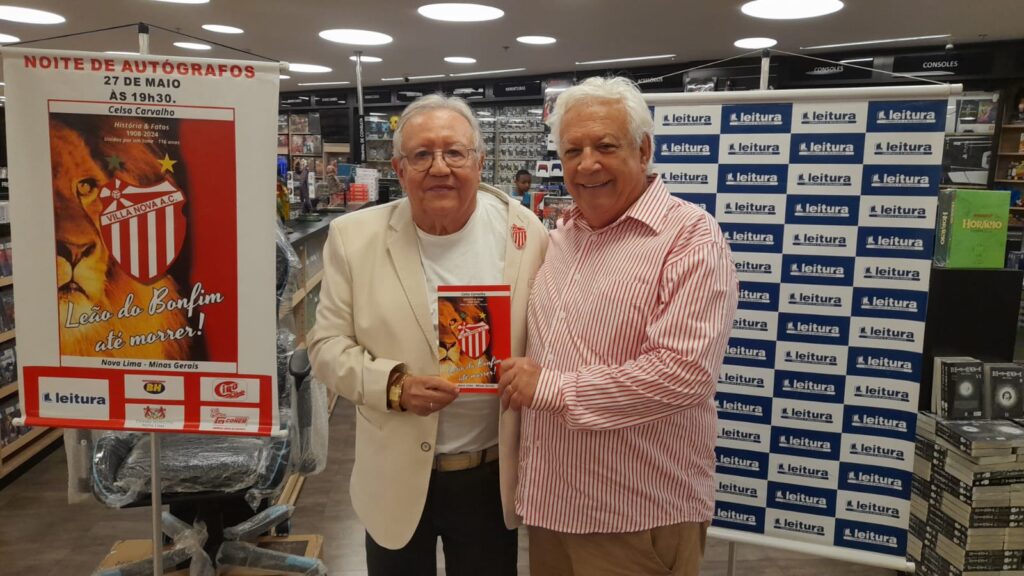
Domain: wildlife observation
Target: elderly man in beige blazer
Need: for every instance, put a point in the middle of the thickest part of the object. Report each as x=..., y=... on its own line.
x=430, y=462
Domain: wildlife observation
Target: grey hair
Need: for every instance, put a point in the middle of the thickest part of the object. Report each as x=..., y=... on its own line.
x=438, y=102
x=622, y=90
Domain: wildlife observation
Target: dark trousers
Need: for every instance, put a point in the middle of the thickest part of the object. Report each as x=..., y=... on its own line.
x=464, y=509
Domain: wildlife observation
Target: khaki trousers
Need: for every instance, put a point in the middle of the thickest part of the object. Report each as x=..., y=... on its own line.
x=674, y=550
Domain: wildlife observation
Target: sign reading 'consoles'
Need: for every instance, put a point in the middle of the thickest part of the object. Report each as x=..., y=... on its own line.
x=829, y=209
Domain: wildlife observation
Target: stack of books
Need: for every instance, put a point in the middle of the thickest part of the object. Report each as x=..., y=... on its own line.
x=967, y=499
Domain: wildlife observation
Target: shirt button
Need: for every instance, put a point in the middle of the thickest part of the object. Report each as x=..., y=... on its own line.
x=561, y=315
x=576, y=278
x=425, y=446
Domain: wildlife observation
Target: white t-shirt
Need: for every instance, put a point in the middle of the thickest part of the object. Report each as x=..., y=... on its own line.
x=474, y=255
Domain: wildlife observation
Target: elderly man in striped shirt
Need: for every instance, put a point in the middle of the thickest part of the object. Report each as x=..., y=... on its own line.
x=628, y=321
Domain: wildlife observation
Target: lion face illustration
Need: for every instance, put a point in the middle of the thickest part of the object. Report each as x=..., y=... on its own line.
x=88, y=278
x=450, y=318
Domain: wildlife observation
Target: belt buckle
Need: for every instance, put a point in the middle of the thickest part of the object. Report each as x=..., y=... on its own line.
x=461, y=461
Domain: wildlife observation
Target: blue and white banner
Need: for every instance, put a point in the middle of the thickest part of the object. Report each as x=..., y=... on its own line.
x=829, y=208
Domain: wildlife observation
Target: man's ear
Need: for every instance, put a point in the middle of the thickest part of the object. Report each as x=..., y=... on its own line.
x=645, y=150
x=396, y=165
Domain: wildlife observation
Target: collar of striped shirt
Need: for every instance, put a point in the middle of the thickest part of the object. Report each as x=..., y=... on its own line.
x=649, y=209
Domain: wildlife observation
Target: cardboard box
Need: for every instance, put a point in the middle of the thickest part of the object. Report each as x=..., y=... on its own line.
x=125, y=551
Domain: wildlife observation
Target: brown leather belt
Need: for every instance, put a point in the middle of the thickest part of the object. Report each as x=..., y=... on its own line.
x=465, y=460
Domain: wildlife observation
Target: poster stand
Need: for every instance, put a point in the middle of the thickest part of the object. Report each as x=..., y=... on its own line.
x=156, y=503
x=735, y=537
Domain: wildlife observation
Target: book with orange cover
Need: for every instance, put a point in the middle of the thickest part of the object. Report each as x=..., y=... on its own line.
x=474, y=334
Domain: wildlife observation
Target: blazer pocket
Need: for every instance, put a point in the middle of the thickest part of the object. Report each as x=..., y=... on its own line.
x=370, y=417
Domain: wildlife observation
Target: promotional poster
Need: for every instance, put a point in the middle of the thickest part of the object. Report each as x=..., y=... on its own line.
x=829, y=207
x=132, y=182
x=474, y=335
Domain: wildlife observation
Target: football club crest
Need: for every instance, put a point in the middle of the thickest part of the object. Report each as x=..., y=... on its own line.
x=143, y=228
x=518, y=236
x=474, y=338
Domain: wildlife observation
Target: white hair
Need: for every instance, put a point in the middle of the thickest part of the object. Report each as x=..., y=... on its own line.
x=438, y=102
x=619, y=89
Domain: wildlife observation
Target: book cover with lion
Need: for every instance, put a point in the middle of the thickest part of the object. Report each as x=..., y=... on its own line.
x=474, y=334
x=145, y=236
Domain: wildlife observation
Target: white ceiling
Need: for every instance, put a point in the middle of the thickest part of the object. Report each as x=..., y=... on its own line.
x=585, y=29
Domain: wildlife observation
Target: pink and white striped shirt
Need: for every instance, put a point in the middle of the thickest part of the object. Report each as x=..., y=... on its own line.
x=630, y=324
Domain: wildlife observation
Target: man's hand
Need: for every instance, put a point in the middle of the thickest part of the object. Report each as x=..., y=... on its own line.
x=424, y=395
x=518, y=384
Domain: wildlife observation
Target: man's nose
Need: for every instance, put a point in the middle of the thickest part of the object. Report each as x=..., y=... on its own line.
x=590, y=160
x=438, y=167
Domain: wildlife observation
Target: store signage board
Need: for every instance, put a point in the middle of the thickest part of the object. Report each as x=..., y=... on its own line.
x=410, y=94
x=951, y=63
x=328, y=100
x=827, y=199
x=148, y=269
x=466, y=92
x=296, y=101
x=659, y=81
x=806, y=70
x=376, y=96
x=517, y=89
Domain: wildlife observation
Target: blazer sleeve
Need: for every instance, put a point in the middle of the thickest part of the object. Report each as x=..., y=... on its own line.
x=338, y=360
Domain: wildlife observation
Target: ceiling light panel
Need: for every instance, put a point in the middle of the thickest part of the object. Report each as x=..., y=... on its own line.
x=338, y=83
x=192, y=45
x=7, y=39
x=423, y=77
x=633, y=59
x=29, y=15
x=790, y=9
x=482, y=72
x=356, y=37
x=370, y=59
x=536, y=40
x=308, y=68
x=755, y=43
x=459, y=12
x=222, y=29
x=460, y=60
x=883, y=41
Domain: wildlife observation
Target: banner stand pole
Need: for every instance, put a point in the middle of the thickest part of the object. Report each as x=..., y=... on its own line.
x=154, y=439
x=156, y=504
x=766, y=58
x=731, y=570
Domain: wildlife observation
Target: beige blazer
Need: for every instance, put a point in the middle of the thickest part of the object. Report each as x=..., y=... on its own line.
x=374, y=314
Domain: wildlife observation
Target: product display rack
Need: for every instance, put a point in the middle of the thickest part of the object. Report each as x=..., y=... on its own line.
x=308, y=239
x=1008, y=172
x=17, y=445
x=520, y=141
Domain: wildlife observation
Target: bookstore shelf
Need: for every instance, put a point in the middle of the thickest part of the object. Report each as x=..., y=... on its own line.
x=50, y=436
x=5, y=336
x=8, y=389
x=6, y=281
x=13, y=447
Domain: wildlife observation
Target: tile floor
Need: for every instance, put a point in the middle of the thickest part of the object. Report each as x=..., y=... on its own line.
x=40, y=534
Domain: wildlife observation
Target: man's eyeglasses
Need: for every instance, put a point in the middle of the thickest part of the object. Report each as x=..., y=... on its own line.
x=455, y=157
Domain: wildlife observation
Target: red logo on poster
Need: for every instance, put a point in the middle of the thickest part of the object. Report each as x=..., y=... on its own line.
x=143, y=228
x=229, y=389
x=151, y=413
x=221, y=418
x=474, y=338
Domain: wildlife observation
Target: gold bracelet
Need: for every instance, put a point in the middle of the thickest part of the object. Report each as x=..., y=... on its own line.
x=395, y=383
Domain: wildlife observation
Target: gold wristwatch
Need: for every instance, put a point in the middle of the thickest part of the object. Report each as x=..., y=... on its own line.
x=395, y=382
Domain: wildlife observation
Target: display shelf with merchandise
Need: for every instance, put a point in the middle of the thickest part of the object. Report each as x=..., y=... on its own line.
x=308, y=239
x=44, y=440
x=1008, y=171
